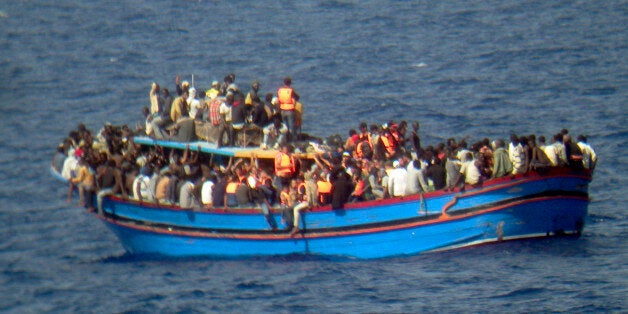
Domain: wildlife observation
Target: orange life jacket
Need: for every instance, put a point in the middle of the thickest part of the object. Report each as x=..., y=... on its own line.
x=284, y=96
x=323, y=186
x=324, y=191
x=361, y=150
x=284, y=165
x=388, y=142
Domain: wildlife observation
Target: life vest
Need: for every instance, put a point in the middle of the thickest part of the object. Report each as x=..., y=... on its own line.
x=324, y=191
x=389, y=144
x=284, y=165
x=284, y=95
x=363, y=149
x=395, y=135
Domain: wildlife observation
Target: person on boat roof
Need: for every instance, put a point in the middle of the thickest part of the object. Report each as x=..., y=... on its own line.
x=179, y=109
x=226, y=82
x=261, y=112
x=274, y=134
x=225, y=111
x=238, y=117
x=252, y=94
x=288, y=98
x=195, y=106
x=213, y=91
x=180, y=86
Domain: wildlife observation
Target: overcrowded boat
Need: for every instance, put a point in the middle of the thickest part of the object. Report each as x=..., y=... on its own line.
x=184, y=190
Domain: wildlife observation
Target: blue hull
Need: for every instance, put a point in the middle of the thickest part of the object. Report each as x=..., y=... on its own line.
x=523, y=207
x=532, y=218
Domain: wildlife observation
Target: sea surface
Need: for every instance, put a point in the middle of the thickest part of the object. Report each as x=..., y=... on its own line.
x=461, y=68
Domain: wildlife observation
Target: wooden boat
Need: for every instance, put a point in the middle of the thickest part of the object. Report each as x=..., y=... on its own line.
x=524, y=206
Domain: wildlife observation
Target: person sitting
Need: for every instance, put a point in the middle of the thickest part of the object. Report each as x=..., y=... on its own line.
x=436, y=172
x=538, y=159
x=179, y=108
x=323, y=187
x=589, y=158
x=299, y=203
x=274, y=134
x=375, y=180
x=559, y=148
x=141, y=188
x=397, y=180
x=469, y=171
x=230, y=198
x=219, y=190
x=516, y=155
x=194, y=104
x=549, y=150
x=243, y=194
x=357, y=195
x=207, y=190
x=573, y=153
x=260, y=113
x=414, y=178
x=187, y=195
x=285, y=165
x=311, y=190
x=501, y=161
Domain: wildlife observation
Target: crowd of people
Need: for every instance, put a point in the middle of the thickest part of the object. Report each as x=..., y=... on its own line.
x=227, y=108
x=373, y=162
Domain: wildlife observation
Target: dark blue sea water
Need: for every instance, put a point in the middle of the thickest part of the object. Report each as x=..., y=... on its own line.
x=478, y=69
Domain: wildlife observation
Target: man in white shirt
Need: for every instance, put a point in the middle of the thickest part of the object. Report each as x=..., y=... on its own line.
x=470, y=170
x=589, y=158
x=206, y=192
x=397, y=180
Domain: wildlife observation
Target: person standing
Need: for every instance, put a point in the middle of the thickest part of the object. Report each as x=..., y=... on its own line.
x=288, y=98
x=225, y=122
